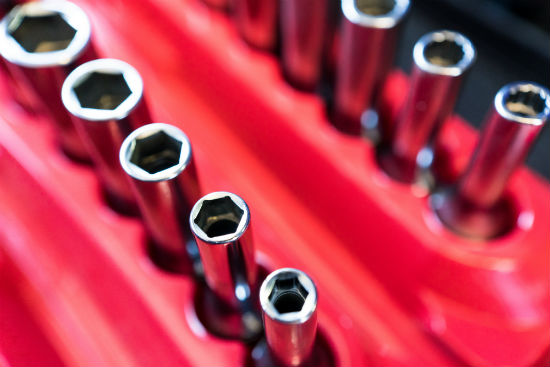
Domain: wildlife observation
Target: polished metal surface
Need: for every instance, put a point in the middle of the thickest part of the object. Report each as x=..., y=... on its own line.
x=158, y=160
x=42, y=42
x=105, y=100
x=217, y=4
x=44, y=33
x=303, y=32
x=219, y=222
x=257, y=22
x=520, y=111
x=441, y=60
x=289, y=302
x=369, y=33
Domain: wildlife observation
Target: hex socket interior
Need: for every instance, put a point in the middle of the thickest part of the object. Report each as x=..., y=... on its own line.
x=102, y=90
x=445, y=53
x=220, y=217
x=375, y=13
x=525, y=102
x=155, y=152
x=44, y=33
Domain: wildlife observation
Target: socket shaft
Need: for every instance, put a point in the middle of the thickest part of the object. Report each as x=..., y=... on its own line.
x=520, y=111
x=289, y=303
x=41, y=42
x=219, y=222
x=441, y=60
x=158, y=160
x=369, y=33
x=303, y=31
x=105, y=100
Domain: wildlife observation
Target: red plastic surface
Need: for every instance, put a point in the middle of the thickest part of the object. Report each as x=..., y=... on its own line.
x=395, y=286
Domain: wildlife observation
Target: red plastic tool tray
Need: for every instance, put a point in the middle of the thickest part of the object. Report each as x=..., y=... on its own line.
x=395, y=286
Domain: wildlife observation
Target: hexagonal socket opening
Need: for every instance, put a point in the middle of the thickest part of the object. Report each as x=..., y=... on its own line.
x=101, y=90
x=219, y=217
x=156, y=152
x=288, y=295
x=375, y=7
x=42, y=33
x=443, y=53
x=525, y=103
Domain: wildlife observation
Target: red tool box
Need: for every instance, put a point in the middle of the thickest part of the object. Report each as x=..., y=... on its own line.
x=395, y=286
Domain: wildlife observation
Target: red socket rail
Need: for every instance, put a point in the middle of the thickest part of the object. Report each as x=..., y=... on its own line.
x=395, y=286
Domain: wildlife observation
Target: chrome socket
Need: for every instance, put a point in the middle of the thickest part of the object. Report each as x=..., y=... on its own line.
x=368, y=34
x=474, y=207
x=219, y=221
x=41, y=42
x=441, y=60
x=289, y=303
x=105, y=100
x=303, y=32
x=158, y=160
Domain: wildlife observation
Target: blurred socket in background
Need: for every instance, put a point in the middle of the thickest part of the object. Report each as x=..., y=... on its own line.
x=512, y=38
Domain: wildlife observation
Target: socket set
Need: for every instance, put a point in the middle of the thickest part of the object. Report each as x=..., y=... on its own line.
x=176, y=190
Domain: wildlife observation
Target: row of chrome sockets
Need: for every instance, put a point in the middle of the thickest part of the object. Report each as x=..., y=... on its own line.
x=358, y=53
x=148, y=170
x=46, y=45
x=473, y=207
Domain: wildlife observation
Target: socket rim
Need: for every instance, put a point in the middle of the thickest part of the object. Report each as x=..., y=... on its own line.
x=13, y=52
x=139, y=173
x=107, y=66
x=389, y=20
x=454, y=70
x=502, y=110
x=223, y=239
x=298, y=317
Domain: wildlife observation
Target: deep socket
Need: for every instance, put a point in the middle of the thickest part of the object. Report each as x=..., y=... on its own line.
x=158, y=161
x=220, y=223
x=289, y=303
x=105, y=100
x=368, y=37
x=41, y=42
x=441, y=60
x=475, y=206
x=303, y=32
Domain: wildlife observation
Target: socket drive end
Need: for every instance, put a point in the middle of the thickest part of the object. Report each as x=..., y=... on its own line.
x=288, y=298
x=219, y=222
x=475, y=208
x=41, y=34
